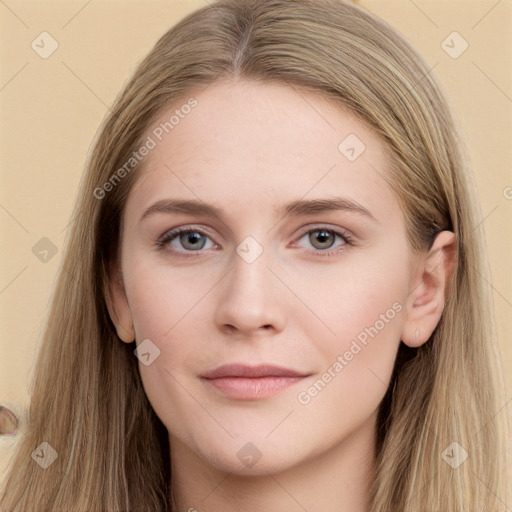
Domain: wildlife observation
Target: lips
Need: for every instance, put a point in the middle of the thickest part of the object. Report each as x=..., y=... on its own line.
x=243, y=382
x=242, y=370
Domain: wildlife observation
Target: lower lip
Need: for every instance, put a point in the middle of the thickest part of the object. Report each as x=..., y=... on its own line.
x=257, y=388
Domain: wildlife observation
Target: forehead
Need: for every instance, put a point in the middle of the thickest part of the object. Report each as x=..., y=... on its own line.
x=250, y=144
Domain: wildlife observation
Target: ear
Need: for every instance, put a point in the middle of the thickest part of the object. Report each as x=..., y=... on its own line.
x=118, y=307
x=425, y=302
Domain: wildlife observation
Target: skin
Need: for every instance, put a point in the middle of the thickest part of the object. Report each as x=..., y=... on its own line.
x=248, y=148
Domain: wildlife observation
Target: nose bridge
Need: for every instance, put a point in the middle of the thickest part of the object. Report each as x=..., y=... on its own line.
x=248, y=300
x=250, y=275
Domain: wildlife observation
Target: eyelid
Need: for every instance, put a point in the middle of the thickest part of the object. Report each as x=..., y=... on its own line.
x=344, y=233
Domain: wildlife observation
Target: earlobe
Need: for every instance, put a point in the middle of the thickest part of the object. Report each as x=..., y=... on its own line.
x=118, y=307
x=426, y=300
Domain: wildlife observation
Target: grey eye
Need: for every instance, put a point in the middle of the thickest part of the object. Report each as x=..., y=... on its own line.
x=192, y=240
x=321, y=238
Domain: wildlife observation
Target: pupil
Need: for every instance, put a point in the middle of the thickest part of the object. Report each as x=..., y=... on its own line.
x=323, y=238
x=193, y=240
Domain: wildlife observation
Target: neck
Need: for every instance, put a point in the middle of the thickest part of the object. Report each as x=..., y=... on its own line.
x=337, y=479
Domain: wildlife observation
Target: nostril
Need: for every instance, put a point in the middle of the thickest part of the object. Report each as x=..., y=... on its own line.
x=8, y=422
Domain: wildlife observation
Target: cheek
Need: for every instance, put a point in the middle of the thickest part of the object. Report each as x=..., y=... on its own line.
x=168, y=311
x=358, y=360
x=360, y=293
x=161, y=298
x=168, y=308
x=361, y=309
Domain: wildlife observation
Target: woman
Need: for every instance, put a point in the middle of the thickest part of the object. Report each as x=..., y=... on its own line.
x=269, y=298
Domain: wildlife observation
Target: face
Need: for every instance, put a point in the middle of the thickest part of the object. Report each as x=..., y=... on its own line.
x=262, y=234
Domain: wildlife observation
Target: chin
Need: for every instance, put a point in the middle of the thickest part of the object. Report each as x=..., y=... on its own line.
x=250, y=458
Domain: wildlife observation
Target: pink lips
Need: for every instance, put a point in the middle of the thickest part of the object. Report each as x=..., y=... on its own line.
x=243, y=382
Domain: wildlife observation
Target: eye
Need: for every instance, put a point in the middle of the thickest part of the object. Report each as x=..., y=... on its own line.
x=186, y=240
x=192, y=240
x=325, y=241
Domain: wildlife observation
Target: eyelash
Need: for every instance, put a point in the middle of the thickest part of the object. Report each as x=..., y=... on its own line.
x=169, y=236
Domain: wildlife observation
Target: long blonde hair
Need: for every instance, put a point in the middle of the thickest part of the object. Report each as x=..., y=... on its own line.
x=87, y=399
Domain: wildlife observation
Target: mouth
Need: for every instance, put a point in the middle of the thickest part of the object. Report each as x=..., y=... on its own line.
x=244, y=382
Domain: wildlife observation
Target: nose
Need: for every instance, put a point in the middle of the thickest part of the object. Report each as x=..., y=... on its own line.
x=250, y=302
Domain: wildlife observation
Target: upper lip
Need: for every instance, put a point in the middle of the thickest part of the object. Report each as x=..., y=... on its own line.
x=244, y=370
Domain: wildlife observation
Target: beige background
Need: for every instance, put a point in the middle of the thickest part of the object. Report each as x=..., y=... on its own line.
x=51, y=109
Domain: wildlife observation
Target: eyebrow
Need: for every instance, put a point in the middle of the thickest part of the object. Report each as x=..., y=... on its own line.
x=294, y=208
